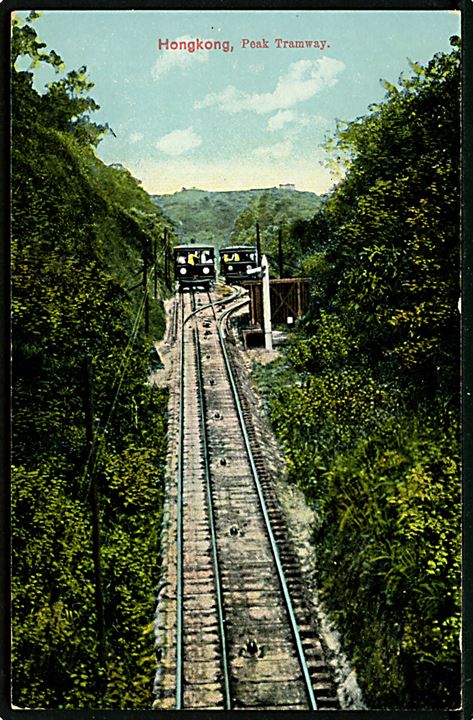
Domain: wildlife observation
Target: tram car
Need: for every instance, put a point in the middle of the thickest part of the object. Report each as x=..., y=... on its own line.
x=236, y=262
x=194, y=265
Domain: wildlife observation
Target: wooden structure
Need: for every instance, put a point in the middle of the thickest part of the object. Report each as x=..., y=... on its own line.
x=289, y=300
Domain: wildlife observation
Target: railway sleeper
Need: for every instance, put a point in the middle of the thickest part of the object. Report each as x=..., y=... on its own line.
x=204, y=672
x=272, y=690
x=328, y=703
x=261, y=694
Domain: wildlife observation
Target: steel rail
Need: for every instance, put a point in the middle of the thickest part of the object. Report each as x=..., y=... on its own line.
x=235, y=296
x=213, y=533
x=274, y=548
x=180, y=521
x=179, y=537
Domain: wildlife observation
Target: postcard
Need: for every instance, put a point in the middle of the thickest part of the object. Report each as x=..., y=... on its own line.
x=236, y=321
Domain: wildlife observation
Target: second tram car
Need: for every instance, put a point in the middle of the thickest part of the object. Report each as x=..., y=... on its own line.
x=236, y=262
x=194, y=265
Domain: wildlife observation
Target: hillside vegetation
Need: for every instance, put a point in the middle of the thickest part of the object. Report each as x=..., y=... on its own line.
x=88, y=431
x=280, y=215
x=366, y=399
x=219, y=217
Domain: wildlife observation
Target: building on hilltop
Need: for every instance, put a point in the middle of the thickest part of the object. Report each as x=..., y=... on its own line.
x=258, y=190
x=287, y=186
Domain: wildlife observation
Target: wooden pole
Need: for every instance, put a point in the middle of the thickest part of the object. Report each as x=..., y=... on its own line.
x=167, y=264
x=96, y=540
x=155, y=253
x=280, y=254
x=145, y=289
x=258, y=244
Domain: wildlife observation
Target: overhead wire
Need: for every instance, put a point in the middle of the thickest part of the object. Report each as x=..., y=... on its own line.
x=117, y=383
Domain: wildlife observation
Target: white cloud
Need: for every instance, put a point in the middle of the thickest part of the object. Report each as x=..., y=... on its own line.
x=179, y=142
x=283, y=117
x=276, y=122
x=303, y=80
x=176, y=59
x=276, y=151
x=136, y=137
x=229, y=100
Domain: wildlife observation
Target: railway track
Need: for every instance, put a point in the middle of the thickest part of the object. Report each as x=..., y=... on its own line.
x=243, y=635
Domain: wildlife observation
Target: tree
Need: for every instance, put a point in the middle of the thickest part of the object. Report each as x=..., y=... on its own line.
x=366, y=400
x=395, y=222
x=79, y=234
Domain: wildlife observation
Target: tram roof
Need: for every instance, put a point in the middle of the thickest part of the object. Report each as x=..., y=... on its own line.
x=194, y=247
x=237, y=247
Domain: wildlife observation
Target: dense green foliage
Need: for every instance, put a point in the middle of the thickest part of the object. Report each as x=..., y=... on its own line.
x=366, y=399
x=279, y=214
x=81, y=233
x=223, y=218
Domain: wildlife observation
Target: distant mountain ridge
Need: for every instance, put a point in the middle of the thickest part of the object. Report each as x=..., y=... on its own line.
x=210, y=216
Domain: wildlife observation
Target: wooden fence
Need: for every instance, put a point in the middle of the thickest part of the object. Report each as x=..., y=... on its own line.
x=289, y=300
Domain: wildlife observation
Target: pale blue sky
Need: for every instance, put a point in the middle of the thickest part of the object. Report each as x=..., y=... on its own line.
x=248, y=118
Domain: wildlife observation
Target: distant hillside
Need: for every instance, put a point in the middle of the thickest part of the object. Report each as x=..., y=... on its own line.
x=212, y=216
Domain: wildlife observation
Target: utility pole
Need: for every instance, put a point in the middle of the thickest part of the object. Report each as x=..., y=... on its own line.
x=167, y=273
x=145, y=289
x=96, y=541
x=268, y=338
x=258, y=244
x=280, y=253
x=155, y=253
